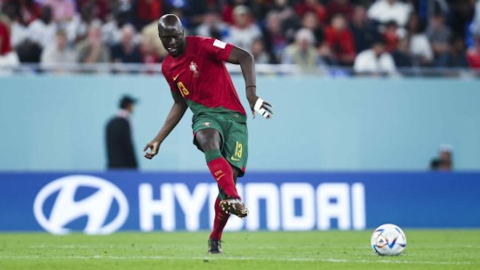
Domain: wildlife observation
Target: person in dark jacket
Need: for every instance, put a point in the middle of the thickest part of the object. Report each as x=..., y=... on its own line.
x=120, y=150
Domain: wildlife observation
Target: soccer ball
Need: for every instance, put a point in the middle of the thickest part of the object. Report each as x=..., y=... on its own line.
x=388, y=240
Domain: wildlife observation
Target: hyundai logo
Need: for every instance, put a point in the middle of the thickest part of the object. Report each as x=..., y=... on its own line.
x=96, y=207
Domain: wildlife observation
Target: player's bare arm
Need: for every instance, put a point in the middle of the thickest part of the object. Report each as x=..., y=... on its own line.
x=245, y=60
x=174, y=116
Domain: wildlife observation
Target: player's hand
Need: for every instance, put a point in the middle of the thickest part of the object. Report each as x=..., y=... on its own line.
x=262, y=107
x=153, y=146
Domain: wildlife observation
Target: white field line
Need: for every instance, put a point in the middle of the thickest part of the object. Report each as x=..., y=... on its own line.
x=222, y=257
x=89, y=246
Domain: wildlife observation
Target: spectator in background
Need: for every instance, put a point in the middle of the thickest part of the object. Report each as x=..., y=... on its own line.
x=363, y=33
x=63, y=10
x=77, y=28
x=147, y=11
x=91, y=50
x=419, y=44
x=101, y=9
x=259, y=54
x=149, y=53
x=197, y=9
x=212, y=26
x=437, y=46
x=460, y=14
x=228, y=8
x=18, y=27
x=181, y=15
x=118, y=136
x=310, y=21
x=314, y=6
x=401, y=55
x=340, y=39
x=302, y=52
x=440, y=35
x=458, y=56
x=375, y=61
x=383, y=11
x=27, y=50
x=473, y=55
x=283, y=9
x=326, y=57
x=8, y=57
x=150, y=34
x=42, y=30
x=260, y=9
x=207, y=4
x=112, y=30
x=25, y=11
x=58, y=52
x=126, y=51
x=475, y=26
x=5, y=46
x=275, y=41
x=339, y=6
x=243, y=32
x=288, y=19
x=391, y=36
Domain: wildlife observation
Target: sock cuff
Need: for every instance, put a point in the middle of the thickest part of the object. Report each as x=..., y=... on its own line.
x=212, y=154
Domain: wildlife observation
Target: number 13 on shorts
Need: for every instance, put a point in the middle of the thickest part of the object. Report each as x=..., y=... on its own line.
x=238, y=152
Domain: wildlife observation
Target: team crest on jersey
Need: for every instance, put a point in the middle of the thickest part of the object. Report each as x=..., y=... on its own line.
x=194, y=69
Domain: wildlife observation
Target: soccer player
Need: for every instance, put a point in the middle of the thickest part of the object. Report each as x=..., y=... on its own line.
x=195, y=70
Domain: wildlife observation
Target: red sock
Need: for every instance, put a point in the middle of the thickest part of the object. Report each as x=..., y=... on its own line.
x=223, y=173
x=219, y=223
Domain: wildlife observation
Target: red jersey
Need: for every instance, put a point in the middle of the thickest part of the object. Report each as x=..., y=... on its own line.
x=341, y=42
x=5, y=46
x=473, y=57
x=200, y=76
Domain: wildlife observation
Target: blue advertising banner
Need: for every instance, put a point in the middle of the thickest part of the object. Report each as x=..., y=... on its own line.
x=102, y=203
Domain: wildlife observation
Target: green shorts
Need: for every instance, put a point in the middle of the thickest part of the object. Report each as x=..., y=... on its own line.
x=233, y=131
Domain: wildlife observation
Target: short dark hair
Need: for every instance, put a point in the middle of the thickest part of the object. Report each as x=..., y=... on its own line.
x=391, y=23
x=125, y=101
x=378, y=40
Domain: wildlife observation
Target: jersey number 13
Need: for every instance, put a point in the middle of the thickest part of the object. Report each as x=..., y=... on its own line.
x=183, y=90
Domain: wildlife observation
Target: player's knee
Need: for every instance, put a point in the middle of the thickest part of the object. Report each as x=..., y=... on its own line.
x=208, y=139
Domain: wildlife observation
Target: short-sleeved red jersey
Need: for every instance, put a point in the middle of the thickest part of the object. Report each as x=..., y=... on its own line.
x=5, y=46
x=200, y=76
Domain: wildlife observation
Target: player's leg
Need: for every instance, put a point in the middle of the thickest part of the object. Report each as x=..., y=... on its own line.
x=221, y=217
x=220, y=221
x=209, y=137
x=235, y=150
x=209, y=140
x=232, y=205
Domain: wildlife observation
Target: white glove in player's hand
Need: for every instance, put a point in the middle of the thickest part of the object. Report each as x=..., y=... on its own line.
x=263, y=108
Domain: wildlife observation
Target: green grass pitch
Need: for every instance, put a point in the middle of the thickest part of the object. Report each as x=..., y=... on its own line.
x=426, y=249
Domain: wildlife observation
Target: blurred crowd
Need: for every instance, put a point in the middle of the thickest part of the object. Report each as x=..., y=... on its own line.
x=369, y=36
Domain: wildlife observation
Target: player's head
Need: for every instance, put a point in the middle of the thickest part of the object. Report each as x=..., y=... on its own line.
x=172, y=34
x=127, y=103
